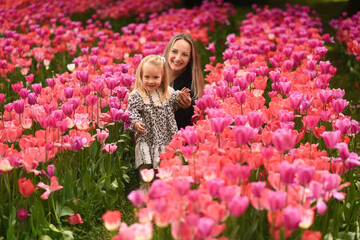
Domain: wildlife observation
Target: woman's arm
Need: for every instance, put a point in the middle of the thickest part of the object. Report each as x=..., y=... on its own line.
x=184, y=98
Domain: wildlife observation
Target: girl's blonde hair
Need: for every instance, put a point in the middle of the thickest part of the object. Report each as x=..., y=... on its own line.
x=197, y=84
x=156, y=61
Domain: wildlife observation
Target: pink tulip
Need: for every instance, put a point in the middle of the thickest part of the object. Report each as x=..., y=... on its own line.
x=305, y=174
x=324, y=67
x=250, y=77
x=214, y=185
x=240, y=97
x=352, y=161
x=257, y=187
x=110, y=148
x=158, y=189
x=68, y=92
x=291, y=218
x=189, y=134
x=57, y=114
x=136, y=197
x=256, y=119
x=160, y=205
x=76, y=143
x=325, y=115
x=75, y=102
x=286, y=116
x=85, y=90
x=311, y=121
x=93, y=59
x=295, y=100
x=276, y=199
x=287, y=172
x=102, y=135
x=2, y=97
x=321, y=207
x=267, y=152
x=228, y=75
x=50, y=170
x=243, y=134
x=98, y=85
x=205, y=226
x=18, y=106
x=241, y=83
x=91, y=100
x=53, y=187
x=283, y=139
x=49, y=108
x=82, y=76
x=339, y=104
x=316, y=189
x=24, y=93
x=182, y=187
x=240, y=120
x=325, y=96
x=274, y=76
x=32, y=98
x=147, y=175
x=222, y=91
x=238, y=205
x=218, y=124
x=17, y=87
x=22, y=214
x=121, y=93
x=285, y=87
x=29, y=78
x=331, y=138
x=343, y=125
x=37, y=87
x=67, y=109
x=50, y=82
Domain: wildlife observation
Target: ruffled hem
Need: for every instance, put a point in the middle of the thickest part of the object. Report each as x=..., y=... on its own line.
x=147, y=154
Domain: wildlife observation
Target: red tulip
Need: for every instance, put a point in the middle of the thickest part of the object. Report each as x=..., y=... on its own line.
x=26, y=187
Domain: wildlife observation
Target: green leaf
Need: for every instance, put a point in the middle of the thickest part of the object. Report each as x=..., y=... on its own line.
x=52, y=227
x=66, y=211
x=67, y=235
x=114, y=184
x=45, y=237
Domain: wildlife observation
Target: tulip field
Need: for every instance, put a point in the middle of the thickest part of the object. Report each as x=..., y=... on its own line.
x=273, y=153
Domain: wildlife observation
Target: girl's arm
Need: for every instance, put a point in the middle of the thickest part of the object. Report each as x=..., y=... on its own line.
x=135, y=106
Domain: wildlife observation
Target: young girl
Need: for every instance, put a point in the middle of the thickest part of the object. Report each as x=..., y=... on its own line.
x=152, y=104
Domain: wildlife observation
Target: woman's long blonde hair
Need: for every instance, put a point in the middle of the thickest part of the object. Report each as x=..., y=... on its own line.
x=156, y=61
x=197, y=84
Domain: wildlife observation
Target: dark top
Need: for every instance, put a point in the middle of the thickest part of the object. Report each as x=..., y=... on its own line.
x=183, y=116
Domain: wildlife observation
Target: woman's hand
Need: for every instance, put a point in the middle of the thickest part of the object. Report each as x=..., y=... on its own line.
x=139, y=127
x=184, y=98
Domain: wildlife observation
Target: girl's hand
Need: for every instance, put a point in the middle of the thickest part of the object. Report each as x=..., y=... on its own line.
x=139, y=127
x=184, y=98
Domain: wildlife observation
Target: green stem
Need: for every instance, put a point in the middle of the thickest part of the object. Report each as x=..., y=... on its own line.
x=53, y=203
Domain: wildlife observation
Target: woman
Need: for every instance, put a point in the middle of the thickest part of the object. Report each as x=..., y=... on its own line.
x=182, y=60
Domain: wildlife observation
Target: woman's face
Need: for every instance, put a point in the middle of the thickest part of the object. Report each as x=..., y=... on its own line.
x=179, y=55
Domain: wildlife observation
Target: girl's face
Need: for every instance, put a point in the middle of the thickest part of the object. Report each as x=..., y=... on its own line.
x=152, y=76
x=179, y=55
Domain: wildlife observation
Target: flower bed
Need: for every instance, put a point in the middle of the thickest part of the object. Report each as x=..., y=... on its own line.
x=347, y=32
x=271, y=151
x=63, y=145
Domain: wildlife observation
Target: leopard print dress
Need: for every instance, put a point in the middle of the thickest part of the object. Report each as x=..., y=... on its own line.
x=160, y=124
